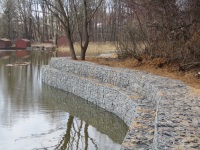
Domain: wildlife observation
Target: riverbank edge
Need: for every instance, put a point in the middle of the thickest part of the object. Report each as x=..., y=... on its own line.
x=161, y=113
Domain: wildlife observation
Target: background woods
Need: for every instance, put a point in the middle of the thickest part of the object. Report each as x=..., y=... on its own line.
x=164, y=29
x=142, y=29
x=40, y=20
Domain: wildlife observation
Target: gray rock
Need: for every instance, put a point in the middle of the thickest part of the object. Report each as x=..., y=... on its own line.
x=161, y=113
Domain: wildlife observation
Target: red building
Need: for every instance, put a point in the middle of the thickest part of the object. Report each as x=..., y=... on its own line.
x=5, y=43
x=22, y=43
x=62, y=41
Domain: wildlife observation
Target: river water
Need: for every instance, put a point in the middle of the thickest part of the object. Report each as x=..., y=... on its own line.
x=34, y=116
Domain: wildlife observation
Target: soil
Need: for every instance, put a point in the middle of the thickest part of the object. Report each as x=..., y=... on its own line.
x=156, y=66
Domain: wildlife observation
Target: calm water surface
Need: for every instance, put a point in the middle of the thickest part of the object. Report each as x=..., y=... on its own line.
x=34, y=116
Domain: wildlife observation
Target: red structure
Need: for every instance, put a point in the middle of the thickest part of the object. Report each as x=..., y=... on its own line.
x=22, y=43
x=22, y=53
x=62, y=41
x=5, y=43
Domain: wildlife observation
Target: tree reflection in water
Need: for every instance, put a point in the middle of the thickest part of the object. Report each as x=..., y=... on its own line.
x=36, y=116
x=76, y=136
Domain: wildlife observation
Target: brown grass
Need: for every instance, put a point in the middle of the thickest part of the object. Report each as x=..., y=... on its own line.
x=171, y=71
x=94, y=49
x=42, y=44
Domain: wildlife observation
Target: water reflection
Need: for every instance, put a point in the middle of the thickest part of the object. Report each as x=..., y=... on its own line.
x=36, y=116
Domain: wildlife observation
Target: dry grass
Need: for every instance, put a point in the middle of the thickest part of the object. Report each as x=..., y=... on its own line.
x=94, y=49
x=187, y=77
x=42, y=44
x=171, y=71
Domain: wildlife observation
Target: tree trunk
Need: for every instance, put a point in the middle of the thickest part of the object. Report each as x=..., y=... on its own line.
x=71, y=48
x=71, y=45
x=85, y=32
x=83, y=53
x=85, y=46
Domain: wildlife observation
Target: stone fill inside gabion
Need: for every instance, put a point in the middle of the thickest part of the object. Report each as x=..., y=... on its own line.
x=161, y=113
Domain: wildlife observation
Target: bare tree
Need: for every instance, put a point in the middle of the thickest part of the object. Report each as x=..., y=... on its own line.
x=74, y=15
x=167, y=28
x=8, y=18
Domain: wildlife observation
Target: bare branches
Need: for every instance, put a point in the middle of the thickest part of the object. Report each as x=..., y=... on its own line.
x=95, y=10
x=75, y=17
x=171, y=30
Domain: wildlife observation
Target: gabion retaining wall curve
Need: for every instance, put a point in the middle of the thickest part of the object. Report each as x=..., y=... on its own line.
x=161, y=113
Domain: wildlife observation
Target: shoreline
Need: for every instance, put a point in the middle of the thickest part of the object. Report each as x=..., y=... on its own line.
x=158, y=110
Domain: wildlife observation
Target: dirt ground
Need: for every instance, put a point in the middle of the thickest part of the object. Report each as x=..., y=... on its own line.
x=155, y=67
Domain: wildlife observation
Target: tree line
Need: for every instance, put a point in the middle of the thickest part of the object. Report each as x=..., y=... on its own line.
x=38, y=20
x=142, y=29
x=168, y=29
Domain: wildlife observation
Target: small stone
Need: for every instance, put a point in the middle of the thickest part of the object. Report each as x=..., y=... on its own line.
x=196, y=122
x=196, y=146
x=166, y=133
x=190, y=140
x=151, y=131
x=176, y=121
